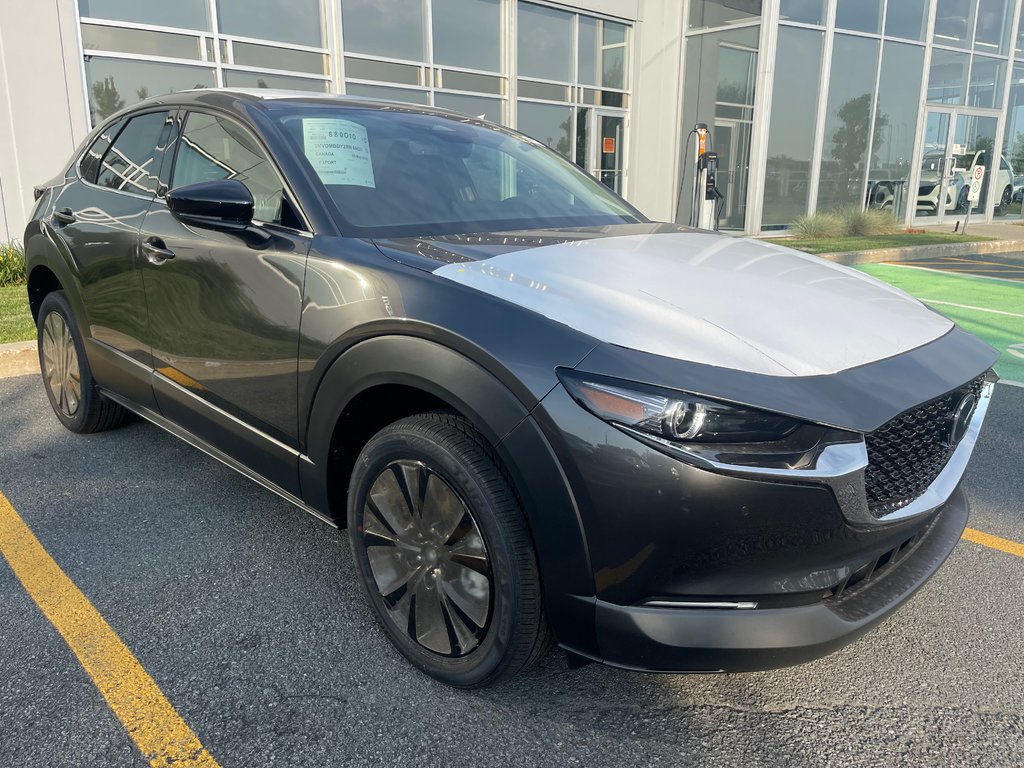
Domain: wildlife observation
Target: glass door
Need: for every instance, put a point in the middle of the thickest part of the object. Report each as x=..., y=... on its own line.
x=955, y=142
x=606, y=146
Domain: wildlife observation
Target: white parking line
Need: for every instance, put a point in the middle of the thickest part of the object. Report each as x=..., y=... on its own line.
x=949, y=272
x=977, y=309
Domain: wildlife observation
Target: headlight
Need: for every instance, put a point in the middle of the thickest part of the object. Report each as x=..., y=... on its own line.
x=685, y=418
x=715, y=434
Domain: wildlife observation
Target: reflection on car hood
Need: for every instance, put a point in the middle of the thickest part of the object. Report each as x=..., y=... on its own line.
x=707, y=298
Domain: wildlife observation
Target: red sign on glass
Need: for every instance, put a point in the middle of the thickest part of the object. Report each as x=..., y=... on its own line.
x=609, y=146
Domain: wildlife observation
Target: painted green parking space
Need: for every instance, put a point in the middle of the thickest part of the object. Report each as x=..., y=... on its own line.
x=991, y=309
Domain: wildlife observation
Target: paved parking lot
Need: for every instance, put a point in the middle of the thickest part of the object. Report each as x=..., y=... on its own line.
x=246, y=614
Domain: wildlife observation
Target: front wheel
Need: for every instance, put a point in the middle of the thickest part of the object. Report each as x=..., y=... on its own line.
x=443, y=552
x=73, y=395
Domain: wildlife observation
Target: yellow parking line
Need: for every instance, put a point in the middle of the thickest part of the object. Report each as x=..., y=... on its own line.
x=151, y=721
x=995, y=542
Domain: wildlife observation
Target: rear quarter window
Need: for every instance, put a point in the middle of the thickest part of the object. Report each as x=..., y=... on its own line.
x=90, y=165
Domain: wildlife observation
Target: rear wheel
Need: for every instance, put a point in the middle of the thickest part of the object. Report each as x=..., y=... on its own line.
x=441, y=545
x=66, y=376
x=1005, y=200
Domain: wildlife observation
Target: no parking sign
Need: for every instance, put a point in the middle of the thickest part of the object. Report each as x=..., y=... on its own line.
x=977, y=177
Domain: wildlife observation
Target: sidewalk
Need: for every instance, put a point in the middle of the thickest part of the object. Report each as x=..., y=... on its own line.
x=1008, y=237
x=18, y=359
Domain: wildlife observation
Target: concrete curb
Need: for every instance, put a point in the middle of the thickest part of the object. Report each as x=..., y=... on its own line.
x=915, y=252
x=18, y=359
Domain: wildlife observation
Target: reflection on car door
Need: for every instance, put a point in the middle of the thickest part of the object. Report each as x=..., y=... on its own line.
x=225, y=308
x=98, y=218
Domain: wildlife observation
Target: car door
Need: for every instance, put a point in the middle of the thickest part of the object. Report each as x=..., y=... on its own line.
x=97, y=218
x=225, y=308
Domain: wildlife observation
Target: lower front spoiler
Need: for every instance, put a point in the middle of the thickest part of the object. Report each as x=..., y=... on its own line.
x=747, y=640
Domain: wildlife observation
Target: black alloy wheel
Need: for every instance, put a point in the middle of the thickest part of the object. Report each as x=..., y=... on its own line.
x=68, y=381
x=443, y=551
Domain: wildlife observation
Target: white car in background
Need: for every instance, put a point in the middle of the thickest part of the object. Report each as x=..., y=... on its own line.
x=929, y=188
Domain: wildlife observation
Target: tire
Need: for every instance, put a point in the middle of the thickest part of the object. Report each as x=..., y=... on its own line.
x=961, y=201
x=67, y=378
x=1005, y=200
x=464, y=626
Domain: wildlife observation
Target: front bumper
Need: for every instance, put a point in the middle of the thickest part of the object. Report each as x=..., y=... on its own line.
x=741, y=640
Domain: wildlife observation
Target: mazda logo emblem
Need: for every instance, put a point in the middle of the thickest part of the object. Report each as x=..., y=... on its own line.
x=961, y=419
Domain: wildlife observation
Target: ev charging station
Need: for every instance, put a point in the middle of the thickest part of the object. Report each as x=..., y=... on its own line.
x=706, y=206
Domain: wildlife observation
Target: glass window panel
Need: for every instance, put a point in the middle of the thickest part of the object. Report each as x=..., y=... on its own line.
x=549, y=124
x=859, y=15
x=547, y=91
x=118, y=83
x=467, y=81
x=614, y=34
x=394, y=28
x=986, y=82
x=947, y=77
x=474, y=106
x=899, y=93
x=188, y=14
x=1020, y=35
x=467, y=33
x=1013, y=140
x=130, y=164
x=212, y=148
x=847, y=122
x=545, y=43
x=719, y=13
x=237, y=79
x=285, y=21
x=791, y=130
x=589, y=51
x=270, y=57
x=96, y=37
x=906, y=18
x=995, y=18
x=613, y=70
x=388, y=93
x=721, y=70
x=90, y=165
x=805, y=11
x=366, y=69
x=954, y=22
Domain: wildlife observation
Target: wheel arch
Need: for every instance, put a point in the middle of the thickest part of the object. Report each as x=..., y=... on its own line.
x=383, y=379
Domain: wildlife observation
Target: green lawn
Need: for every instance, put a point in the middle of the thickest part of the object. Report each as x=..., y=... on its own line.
x=15, y=318
x=870, y=242
x=991, y=309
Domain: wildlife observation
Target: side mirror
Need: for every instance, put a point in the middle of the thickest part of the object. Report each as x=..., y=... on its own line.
x=224, y=205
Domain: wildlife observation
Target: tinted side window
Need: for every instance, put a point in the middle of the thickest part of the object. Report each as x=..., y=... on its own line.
x=212, y=148
x=90, y=165
x=130, y=164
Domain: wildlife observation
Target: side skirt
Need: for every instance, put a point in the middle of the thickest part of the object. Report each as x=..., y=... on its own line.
x=215, y=453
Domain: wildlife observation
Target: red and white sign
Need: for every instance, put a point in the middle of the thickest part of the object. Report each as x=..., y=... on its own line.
x=977, y=177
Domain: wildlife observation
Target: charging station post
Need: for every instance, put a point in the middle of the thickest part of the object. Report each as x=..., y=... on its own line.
x=703, y=213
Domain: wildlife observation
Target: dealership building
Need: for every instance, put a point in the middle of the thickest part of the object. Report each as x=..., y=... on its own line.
x=812, y=105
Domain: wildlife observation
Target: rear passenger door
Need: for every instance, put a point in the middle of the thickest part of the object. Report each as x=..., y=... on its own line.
x=225, y=308
x=98, y=219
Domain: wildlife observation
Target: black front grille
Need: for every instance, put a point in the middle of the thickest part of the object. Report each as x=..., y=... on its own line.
x=906, y=454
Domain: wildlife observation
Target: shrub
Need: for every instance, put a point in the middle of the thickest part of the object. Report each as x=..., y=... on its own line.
x=817, y=226
x=12, y=264
x=858, y=222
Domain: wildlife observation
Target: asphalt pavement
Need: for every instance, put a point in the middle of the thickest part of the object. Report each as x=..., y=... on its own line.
x=247, y=614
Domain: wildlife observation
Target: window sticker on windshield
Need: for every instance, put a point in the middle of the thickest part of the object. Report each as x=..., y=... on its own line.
x=338, y=150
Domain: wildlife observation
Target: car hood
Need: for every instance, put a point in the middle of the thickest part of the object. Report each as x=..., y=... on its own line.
x=701, y=297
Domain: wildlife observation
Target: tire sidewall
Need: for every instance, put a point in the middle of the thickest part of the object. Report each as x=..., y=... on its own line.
x=57, y=302
x=485, y=661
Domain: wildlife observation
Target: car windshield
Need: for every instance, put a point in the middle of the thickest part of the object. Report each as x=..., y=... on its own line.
x=395, y=173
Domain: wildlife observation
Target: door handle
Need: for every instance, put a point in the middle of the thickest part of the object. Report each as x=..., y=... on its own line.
x=63, y=216
x=155, y=251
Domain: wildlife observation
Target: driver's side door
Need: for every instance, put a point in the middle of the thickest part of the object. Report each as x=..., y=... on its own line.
x=224, y=308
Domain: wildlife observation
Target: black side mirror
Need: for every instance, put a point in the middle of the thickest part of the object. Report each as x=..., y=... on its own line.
x=224, y=205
